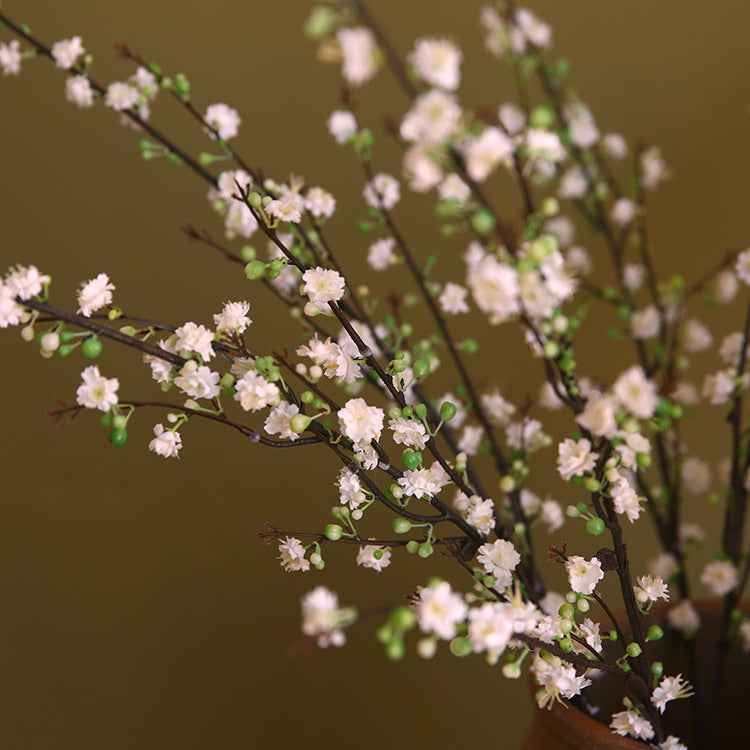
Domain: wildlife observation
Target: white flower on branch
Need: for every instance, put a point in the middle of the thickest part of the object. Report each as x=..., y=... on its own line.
x=360, y=53
x=374, y=557
x=97, y=392
x=198, y=381
x=632, y=723
x=121, y=96
x=223, y=120
x=78, y=91
x=292, y=555
x=583, y=575
x=66, y=52
x=95, y=294
x=254, y=392
x=439, y=610
x=575, y=458
x=499, y=559
x=360, y=422
x=10, y=57
x=166, y=443
x=720, y=577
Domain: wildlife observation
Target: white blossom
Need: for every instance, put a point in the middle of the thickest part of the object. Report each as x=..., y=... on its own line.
x=121, y=96
x=439, y=610
x=192, y=337
x=198, y=381
x=78, y=91
x=360, y=422
x=583, y=575
x=382, y=192
x=485, y=152
x=277, y=421
x=233, y=317
x=342, y=125
x=499, y=559
x=636, y=392
x=292, y=555
x=166, y=443
x=222, y=120
x=10, y=57
x=96, y=391
x=438, y=62
x=632, y=723
x=720, y=577
x=67, y=51
x=254, y=392
x=374, y=557
x=360, y=54
x=575, y=458
x=95, y=294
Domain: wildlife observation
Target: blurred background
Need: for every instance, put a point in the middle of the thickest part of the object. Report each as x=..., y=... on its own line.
x=140, y=608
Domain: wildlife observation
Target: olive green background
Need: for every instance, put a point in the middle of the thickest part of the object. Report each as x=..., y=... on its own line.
x=139, y=607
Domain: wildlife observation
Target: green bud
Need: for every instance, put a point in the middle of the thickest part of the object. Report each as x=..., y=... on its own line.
x=595, y=526
x=106, y=419
x=128, y=330
x=655, y=633
x=91, y=347
x=205, y=159
x=482, y=221
x=412, y=546
x=363, y=227
x=583, y=605
x=255, y=269
x=395, y=649
x=448, y=208
x=470, y=346
x=119, y=421
x=118, y=436
x=401, y=525
x=461, y=646
x=248, y=253
x=421, y=411
x=394, y=413
x=542, y=116
x=403, y=618
x=657, y=669
x=582, y=508
x=227, y=380
x=447, y=411
x=407, y=412
x=566, y=611
x=299, y=423
x=412, y=459
x=566, y=644
x=633, y=650
x=333, y=531
x=421, y=368
x=66, y=350
x=182, y=85
x=425, y=550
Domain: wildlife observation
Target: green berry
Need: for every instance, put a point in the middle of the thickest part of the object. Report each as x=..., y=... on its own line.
x=412, y=459
x=447, y=411
x=401, y=525
x=655, y=633
x=91, y=347
x=255, y=269
x=395, y=649
x=403, y=618
x=633, y=650
x=334, y=532
x=421, y=368
x=119, y=421
x=118, y=436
